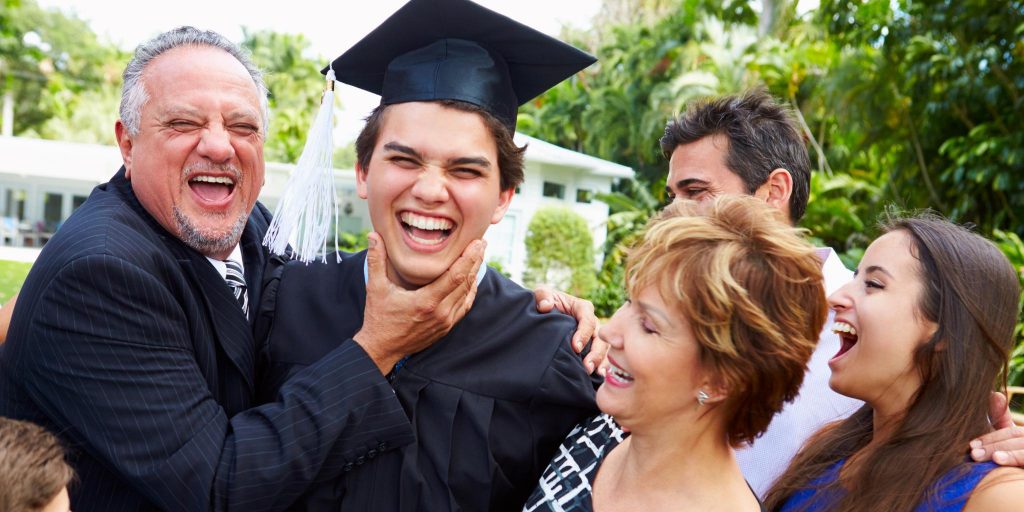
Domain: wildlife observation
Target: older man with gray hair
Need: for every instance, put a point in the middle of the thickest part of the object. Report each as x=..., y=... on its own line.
x=132, y=336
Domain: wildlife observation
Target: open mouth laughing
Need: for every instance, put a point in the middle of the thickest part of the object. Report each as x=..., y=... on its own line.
x=426, y=230
x=616, y=376
x=212, y=189
x=847, y=336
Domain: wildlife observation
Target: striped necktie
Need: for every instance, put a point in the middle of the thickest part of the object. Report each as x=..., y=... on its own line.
x=236, y=281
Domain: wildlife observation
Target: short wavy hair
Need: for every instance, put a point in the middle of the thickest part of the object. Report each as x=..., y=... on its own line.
x=750, y=287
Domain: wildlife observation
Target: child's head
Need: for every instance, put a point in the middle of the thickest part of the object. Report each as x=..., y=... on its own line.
x=33, y=473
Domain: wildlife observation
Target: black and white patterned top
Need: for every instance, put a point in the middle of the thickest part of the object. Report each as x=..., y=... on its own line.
x=566, y=483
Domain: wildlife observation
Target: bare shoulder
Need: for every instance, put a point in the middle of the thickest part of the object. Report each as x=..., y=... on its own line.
x=1001, y=490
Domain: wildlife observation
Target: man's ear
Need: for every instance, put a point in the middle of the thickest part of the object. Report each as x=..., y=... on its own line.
x=504, y=201
x=360, y=181
x=779, y=188
x=124, y=143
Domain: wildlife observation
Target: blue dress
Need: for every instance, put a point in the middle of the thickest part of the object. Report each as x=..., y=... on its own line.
x=954, y=488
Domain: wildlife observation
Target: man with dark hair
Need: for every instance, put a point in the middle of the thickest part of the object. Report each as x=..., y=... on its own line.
x=748, y=144
x=760, y=144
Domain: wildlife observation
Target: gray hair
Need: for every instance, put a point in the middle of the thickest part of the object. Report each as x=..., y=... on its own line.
x=133, y=92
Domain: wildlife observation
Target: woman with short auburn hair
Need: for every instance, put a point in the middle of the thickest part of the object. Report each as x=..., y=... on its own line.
x=726, y=305
x=926, y=328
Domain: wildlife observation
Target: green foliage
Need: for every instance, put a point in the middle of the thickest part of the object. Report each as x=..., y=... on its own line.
x=295, y=85
x=52, y=65
x=12, y=275
x=840, y=211
x=345, y=156
x=352, y=242
x=630, y=209
x=1013, y=248
x=498, y=267
x=560, y=251
x=916, y=104
x=930, y=96
x=617, y=109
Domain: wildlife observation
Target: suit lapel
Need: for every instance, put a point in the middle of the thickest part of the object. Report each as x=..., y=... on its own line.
x=230, y=327
x=232, y=330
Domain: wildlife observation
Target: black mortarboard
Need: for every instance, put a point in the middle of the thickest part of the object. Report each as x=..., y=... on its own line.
x=427, y=50
x=458, y=50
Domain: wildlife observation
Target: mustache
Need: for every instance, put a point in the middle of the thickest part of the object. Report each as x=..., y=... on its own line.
x=204, y=166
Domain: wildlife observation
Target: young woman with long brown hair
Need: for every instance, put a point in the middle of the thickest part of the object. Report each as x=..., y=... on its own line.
x=927, y=325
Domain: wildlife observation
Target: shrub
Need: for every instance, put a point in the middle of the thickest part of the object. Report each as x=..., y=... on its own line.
x=560, y=251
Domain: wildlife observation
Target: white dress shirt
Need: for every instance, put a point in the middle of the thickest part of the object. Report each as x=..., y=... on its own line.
x=236, y=255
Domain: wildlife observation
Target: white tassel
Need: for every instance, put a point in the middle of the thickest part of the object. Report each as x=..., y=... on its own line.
x=308, y=204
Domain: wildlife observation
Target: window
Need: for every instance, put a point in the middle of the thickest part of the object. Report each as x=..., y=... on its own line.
x=52, y=210
x=15, y=203
x=77, y=201
x=556, y=190
x=584, y=195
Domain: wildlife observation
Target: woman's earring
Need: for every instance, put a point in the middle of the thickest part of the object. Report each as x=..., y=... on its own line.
x=702, y=397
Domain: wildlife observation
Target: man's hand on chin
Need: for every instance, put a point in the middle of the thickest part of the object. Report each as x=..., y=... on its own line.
x=398, y=322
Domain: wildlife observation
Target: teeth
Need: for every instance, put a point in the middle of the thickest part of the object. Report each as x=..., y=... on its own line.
x=838, y=327
x=211, y=179
x=425, y=241
x=424, y=222
x=619, y=372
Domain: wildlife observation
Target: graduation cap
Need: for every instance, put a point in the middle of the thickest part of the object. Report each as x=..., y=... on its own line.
x=458, y=50
x=428, y=50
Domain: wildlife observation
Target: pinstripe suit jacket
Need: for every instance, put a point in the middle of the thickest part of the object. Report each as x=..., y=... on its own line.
x=130, y=346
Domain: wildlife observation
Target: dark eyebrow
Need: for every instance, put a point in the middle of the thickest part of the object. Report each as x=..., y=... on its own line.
x=394, y=146
x=681, y=184
x=874, y=268
x=469, y=160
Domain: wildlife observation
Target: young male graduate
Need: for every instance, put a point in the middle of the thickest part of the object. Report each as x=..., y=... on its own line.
x=490, y=401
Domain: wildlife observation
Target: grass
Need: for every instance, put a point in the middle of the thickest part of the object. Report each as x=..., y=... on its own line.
x=12, y=275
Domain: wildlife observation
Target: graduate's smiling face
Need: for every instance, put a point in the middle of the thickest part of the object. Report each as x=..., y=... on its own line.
x=432, y=186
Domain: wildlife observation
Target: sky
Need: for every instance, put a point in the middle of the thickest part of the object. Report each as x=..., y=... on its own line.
x=331, y=27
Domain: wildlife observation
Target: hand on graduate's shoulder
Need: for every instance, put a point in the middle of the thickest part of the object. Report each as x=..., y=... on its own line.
x=549, y=298
x=1005, y=445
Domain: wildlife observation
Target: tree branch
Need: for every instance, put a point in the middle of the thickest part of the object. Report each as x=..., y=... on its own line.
x=822, y=161
x=919, y=153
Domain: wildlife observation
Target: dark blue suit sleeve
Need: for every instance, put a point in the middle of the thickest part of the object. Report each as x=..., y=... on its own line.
x=111, y=356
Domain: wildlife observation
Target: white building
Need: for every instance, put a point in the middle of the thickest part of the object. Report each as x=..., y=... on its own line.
x=43, y=181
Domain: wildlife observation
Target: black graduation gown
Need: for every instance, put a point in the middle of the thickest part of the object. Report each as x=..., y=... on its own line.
x=489, y=403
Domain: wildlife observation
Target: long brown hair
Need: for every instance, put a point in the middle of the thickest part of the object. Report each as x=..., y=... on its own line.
x=971, y=292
